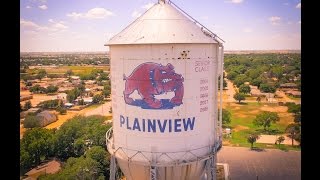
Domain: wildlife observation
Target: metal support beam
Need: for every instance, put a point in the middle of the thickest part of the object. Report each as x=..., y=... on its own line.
x=153, y=173
x=113, y=168
x=211, y=168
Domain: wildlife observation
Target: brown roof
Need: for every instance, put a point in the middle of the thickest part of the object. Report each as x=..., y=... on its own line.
x=47, y=168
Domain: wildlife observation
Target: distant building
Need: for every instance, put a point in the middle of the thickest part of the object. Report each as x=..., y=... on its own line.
x=75, y=77
x=23, y=114
x=45, y=118
x=296, y=94
x=288, y=85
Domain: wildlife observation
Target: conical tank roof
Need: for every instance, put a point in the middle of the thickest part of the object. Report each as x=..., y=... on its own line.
x=162, y=24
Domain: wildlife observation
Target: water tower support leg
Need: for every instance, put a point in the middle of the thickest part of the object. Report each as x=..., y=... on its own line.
x=113, y=168
x=211, y=168
x=153, y=173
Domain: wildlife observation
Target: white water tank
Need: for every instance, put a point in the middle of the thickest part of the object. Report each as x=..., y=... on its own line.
x=164, y=81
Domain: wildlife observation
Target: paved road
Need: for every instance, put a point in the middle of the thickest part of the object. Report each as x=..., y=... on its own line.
x=101, y=110
x=270, y=164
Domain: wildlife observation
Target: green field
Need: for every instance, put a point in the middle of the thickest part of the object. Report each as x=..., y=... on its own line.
x=242, y=116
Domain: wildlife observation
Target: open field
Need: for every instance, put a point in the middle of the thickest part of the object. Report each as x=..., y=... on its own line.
x=242, y=116
x=77, y=70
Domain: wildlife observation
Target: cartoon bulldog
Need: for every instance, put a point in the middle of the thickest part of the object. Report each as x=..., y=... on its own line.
x=151, y=79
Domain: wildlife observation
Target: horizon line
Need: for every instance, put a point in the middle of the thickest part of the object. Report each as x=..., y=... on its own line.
x=108, y=51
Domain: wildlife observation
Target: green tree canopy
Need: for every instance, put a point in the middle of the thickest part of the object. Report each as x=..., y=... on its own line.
x=244, y=89
x=239, y=97
x=52, y=89
x=97, y=98
x=252, y=138
x=78, y=169
x=31, y=121
x=294, y=132
x=27, y=105
x=35, y=143
x=267, y=88
x=265, y=119
x=226, y=116
x=41, y=74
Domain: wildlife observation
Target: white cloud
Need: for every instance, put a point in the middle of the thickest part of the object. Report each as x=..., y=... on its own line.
x=289, y=22
x=299, y=22
x=43, y=7
x=247, y=30
x=95, y=13
x=236, y=1
x=135, y=14
x=31, y=26
x=286, y=4
x=28, y=7
x=275, y=20
x=298, y=6
x=28, y=24
x=75, y=15
x=60, y=26
x=148, y=5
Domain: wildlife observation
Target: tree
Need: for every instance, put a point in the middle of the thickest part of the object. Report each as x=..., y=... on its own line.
x=294, y=108
x=72, y=135
x=73, y=94
x=36, y=143
x=252, y=138
x=106, y=90
x=294, y=132
x=226, y=116
x=224, y=83
x=31, y=121
x=239, y=97
x=61, y=110
x=97, y=98
x=244, y=89
x=27, y=105
x=256, y=82
x=280, y=140
x=100, y=155
x=241, y=79
x=103, y=76
x=69, y=73
x=232, y=75
x=258, y=99
x=265, y=119
x=51, y=104
x=78, y=168
x=52, y=89
x=267, y=88
x=41, y=74
x=297, y=118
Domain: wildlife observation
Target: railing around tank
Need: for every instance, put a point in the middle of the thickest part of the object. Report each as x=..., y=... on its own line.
x=184, y=157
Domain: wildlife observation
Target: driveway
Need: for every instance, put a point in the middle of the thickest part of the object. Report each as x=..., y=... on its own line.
x=270, y=164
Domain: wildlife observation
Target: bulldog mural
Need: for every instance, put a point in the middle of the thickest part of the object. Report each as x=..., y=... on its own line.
x=151, y=79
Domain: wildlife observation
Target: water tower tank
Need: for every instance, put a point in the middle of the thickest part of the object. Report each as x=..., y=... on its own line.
x=164, y=77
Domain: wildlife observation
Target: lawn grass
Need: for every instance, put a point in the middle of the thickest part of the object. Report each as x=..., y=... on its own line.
x=242, y=116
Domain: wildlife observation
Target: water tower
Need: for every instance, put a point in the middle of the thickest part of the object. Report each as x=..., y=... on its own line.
x=164, y=87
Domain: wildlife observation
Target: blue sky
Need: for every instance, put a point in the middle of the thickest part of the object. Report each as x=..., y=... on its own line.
x=86, y=25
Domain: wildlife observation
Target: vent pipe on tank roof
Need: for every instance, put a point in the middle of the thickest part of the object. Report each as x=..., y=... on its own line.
x=163, y=1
